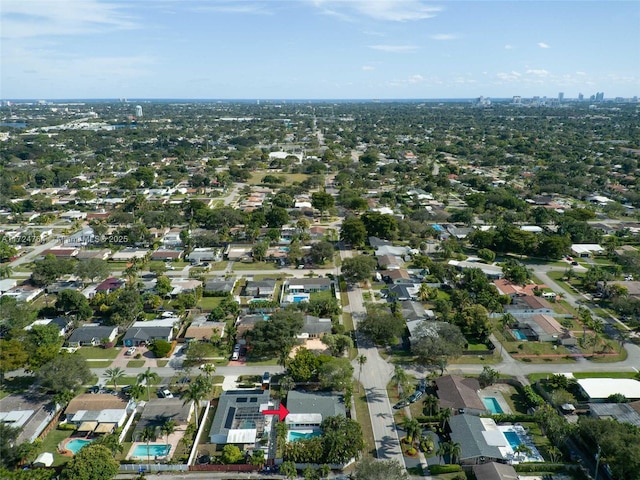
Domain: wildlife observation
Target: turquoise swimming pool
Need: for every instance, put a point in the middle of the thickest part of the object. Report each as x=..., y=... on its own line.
x=76, y=444
x=513, y=438
x=155, y=450
x=519, y=335
x=294, y=436
x=492, y=405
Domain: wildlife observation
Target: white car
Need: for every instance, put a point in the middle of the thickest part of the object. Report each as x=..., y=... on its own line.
x=130, y=351
x=165, y=393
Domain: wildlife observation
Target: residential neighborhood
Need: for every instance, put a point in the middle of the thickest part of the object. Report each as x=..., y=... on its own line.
x=302, y=289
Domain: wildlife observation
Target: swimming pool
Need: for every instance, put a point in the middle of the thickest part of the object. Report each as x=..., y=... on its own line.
x=492, y=405
x=519, y=335
x=295, y=435
x=76, y=444
x=513, y=438
x=155, y=450
x=300, y=298
x=437, y=227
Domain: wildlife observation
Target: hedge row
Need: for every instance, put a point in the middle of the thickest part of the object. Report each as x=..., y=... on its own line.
x=439, y=469
x=539, y=467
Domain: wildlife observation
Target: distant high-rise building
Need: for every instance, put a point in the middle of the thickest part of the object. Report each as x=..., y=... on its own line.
x=560, y=96
x=138, y=111
x=517, y=100
x=580, y=97
x=599, y=96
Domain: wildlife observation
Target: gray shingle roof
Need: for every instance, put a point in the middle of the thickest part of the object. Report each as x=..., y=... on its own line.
x=325, y=403
x=467, y=431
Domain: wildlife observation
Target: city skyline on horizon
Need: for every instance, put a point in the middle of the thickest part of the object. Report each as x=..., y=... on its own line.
x=318, y=49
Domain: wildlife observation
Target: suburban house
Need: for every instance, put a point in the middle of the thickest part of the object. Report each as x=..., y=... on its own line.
x=545, y=328
x=599, y=389
x=491, y=271
x=172, y=239
x=460, y=394
x=414, y=311
x=239, y=419
x=30, y=412
x=307, y=285
x=109, y=285
x=245, y=323
x=146, y=331
x=129, y=254
x=389, y=262
x=264, y=289
x=157, y=411
x=199, y=255
x=167, y=255
x=585, y=250
x=61, y=323
x=495, y=471
x=184, y=285
x=315, y=327
x=400, y=275
x=620, y=412
x=99, y=413
x=479, y=438
x=202, y=330
x=85, y=254
x=307, y=410
x=60, y=285
x=529, y=305
x=92, y=335
x=220, y=286
x=403, y=291
x=62, y=253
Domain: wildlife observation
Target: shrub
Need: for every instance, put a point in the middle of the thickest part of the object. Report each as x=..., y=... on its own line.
x=539, y=467
x=160, y=348
x=440, y=469
x=67, y=426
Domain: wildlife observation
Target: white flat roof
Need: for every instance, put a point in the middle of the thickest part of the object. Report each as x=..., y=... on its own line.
x=586, y=247
x=242, y=435
x=603, y=387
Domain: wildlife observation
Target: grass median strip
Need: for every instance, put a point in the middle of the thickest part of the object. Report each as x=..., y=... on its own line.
x=364, y=419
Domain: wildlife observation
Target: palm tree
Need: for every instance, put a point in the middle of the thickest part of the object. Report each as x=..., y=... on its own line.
x=443, y=450
x=412, y=427
x=148, y=377
x=287, y=383
x=208, y=369
x=112, y=442
x=430, y=403
x=146, y=436
x=114, y=374
x=455, y=449
x=361, y=359
x=6, y=271
x=400, y=377
x=424, y=292
x=554, y=454
x=167, y=428
x=195, y=393
x=445, y=415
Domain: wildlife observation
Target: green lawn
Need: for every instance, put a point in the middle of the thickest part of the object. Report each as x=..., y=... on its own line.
x=99, y=352
x=162, y=363
x=209, y=303
x=289, y=178
x=254, y=266
x=50, y=444
x=256, y=363
x=362, y=413
x=99, y=363
x=135, y=363
x=326, y=295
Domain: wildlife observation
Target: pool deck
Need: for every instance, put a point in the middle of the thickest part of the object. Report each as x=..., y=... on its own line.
x=173, y=440
x=496, y=392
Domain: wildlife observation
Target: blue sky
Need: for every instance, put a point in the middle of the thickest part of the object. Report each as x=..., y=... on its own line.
x=317, y=48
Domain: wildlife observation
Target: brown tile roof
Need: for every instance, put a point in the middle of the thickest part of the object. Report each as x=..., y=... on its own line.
x=94, y=402
x=548, y=324
x=536, y=302
x=459, y=392
x=202, y=333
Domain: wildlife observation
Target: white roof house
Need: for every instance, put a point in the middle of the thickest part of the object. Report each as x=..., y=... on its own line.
x=601, y=388
x=586, y=249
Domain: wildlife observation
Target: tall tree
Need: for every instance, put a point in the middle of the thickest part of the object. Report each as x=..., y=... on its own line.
x=359, y=268
x=148, y=377
x=353, y=231
x=93, y=462
x=114, y=375
x=322, y=201
x=64, y=372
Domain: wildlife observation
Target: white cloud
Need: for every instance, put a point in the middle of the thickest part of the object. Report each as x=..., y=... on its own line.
x=537, y=72
x=385, y=10
x=368, y=68
x=543, y=45
x=444, y=36
x=37, y=18
x=415, y=79
x=394, y=48
x=509, y=47
x=235, y=7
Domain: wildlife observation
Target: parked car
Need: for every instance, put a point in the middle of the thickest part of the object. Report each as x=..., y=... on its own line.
x=130, y=351
x=235, y=356
x=401, y=404
x=574, y=263
x=165, y=393
x=266, y=377
x=422, y=386
x=415, y=396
